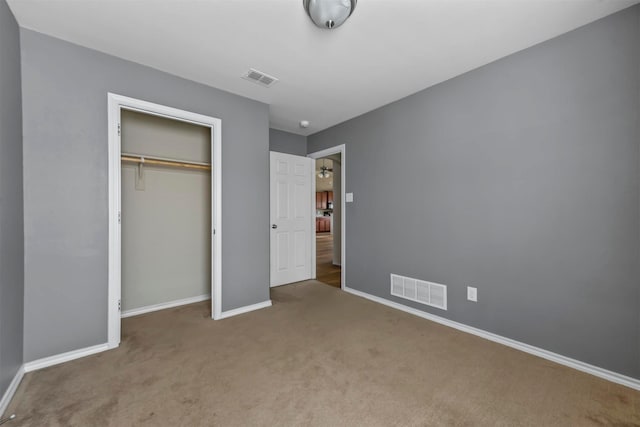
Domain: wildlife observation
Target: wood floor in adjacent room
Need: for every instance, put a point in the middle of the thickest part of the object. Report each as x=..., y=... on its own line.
x=318, y=357
x=326, y=271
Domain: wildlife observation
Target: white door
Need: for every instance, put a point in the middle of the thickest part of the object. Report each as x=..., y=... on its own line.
x=291, y=203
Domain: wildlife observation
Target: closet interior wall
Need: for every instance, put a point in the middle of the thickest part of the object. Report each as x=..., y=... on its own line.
x=166, y=213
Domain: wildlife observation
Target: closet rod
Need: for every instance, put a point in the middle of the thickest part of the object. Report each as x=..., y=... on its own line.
x=163, y=161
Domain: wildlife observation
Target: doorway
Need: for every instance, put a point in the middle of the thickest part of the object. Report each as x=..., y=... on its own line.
x=328, y=208
x=116, y=105
x=328, y=214
x=165, y=213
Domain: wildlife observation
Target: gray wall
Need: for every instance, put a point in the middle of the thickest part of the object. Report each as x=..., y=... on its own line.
x=286, y=142
x=520, y=178
x=166, y=213
x=11, y=206
x=65, y=155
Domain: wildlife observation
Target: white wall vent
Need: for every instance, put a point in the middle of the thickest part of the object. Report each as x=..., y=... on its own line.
x=433, y=294
x=260, y=78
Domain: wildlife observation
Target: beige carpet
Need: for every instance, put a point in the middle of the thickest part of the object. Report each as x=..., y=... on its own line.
x=319, y=356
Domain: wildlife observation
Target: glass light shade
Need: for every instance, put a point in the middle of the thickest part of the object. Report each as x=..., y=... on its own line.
x=329, y=13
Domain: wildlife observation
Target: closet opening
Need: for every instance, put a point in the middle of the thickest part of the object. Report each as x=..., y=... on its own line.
x=164, y=210
x=165, y=213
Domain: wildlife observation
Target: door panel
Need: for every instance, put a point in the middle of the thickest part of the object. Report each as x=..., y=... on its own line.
x=301, y=201
x=282, y=200
x=291, y=221
x=282, y=250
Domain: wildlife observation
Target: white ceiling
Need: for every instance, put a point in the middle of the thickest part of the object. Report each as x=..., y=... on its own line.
x=388, y=49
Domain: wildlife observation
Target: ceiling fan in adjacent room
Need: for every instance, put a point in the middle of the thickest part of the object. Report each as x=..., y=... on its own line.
x=325, y=172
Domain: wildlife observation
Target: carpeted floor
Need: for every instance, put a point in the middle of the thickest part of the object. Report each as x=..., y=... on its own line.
x=319, y=356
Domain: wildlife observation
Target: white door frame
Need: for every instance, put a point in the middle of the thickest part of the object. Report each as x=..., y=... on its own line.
x=339, y=149
x=116, y=103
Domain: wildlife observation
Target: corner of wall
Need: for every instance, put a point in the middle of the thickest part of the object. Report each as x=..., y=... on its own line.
x=12, y=208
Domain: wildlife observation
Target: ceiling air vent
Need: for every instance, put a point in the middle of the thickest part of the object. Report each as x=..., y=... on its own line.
x=260, y=78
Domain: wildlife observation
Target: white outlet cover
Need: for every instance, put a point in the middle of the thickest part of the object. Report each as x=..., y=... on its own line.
x=472, y=293
x=348, y=197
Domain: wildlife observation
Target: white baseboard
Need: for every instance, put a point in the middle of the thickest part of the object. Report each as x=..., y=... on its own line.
x=64, y=357
x=76, y=354
x=11, y=390
x=164, y=305
x=536, y=351
x=245, y=309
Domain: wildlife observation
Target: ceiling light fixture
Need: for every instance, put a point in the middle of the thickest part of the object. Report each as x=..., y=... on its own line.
x=329, y=13
x=324, y=171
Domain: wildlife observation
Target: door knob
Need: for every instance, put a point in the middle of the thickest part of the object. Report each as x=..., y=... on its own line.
x=274, y=226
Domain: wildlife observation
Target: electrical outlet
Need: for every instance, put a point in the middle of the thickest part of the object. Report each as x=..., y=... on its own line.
x=472, y=293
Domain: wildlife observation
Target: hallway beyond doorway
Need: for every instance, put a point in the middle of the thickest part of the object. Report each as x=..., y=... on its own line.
x=326, y=271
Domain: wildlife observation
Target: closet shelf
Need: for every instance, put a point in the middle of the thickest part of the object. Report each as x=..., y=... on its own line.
x=163, y=161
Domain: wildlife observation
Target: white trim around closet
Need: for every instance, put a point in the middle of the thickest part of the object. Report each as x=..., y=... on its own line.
x=115, y=104
x=164, y=305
